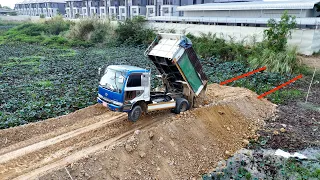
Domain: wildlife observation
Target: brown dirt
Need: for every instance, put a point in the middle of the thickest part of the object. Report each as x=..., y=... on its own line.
x=101, y=144
x=311, y=61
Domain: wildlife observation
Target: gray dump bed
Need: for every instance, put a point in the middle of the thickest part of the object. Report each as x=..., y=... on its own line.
x=177, y=62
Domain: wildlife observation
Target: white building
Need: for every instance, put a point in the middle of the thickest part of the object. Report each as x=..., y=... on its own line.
x=258, y=9
x=73, y=8
x=48, y=8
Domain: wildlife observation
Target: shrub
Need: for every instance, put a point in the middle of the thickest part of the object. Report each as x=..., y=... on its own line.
x=42, y=16
x=132, y=32
x=92, y=30
x=56, y=25
x=279, y=32
x=276, y=61
x=13, y=14
x=208, y=45
x=30, y=29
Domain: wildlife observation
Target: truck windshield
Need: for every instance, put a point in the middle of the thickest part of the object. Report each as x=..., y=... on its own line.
x=112, y=80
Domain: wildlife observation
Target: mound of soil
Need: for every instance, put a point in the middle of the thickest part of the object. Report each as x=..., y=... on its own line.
x=181, y=146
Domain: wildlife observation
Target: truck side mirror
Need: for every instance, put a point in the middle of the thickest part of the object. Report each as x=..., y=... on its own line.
x=99, y=71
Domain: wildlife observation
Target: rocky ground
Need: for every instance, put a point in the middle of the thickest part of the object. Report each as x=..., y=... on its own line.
x=297, y=124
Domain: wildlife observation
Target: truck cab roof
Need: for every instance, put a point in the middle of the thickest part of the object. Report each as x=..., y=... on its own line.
x=127, y=68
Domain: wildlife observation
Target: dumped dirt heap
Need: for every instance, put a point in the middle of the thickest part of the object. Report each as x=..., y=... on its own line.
x=161, y=145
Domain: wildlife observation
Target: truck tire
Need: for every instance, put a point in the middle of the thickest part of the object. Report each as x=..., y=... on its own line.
x=135, y=113
x=181, y=105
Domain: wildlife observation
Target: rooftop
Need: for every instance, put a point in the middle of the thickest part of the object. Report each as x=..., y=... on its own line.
x=126, y=68
x=302, y=21
x=2, y=10
x=40, y=1
x=255, y=5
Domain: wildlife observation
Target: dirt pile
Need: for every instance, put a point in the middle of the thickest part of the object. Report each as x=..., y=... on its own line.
x=178, y=146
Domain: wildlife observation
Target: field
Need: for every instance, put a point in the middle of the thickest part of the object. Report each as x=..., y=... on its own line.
x=38, y=82
x=46, y=75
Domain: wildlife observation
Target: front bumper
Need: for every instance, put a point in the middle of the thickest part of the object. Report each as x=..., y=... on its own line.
x=110, y=106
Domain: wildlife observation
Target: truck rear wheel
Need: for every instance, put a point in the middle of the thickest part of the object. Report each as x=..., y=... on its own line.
x=181, y=105
x=135, y=113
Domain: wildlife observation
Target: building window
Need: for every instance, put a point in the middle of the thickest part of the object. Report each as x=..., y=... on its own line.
x=165, y=10
x=150, y=2
x=84, y=11
x=122, y=10
x=112, y=11
x=150, y=10
x=167, y=2
x=102, y=10
x=134, y=10
x=139, y=10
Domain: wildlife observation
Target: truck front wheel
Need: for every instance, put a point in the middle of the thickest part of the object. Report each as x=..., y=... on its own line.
x=181, y=105
x=135, y=113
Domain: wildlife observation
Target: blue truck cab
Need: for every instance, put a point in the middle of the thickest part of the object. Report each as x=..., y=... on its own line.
x=123, y=85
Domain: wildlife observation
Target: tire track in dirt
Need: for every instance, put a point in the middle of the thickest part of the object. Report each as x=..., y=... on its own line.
x=44, y=153
x=78, y=155
x=25, y=150
x=25, y=135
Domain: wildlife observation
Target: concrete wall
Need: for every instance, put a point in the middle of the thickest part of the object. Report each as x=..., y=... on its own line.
x=306, y=40
x=251, y=14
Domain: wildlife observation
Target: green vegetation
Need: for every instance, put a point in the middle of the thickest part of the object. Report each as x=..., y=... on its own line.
x=271, y=52
x=91, y=30
x=266, y=167
x=300, y=171
x=218, y=71
x=39, y=82
x=132, y=32
x=46, y=72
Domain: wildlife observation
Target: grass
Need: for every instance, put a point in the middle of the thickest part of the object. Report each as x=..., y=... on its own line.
x=295, y=169
x=45, y=83
x=28, y=60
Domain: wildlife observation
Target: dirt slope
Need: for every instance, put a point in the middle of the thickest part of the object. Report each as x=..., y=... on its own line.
x=101, y=144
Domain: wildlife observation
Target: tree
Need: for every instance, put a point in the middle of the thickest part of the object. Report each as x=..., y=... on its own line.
x=278, y=33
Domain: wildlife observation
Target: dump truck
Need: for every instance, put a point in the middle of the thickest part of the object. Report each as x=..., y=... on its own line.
x=125, y=88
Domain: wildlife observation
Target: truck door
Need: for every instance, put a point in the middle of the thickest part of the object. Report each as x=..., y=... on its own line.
x=135, y=89
x=145, y=82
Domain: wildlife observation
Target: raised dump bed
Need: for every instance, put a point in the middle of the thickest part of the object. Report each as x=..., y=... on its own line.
x=177, y=62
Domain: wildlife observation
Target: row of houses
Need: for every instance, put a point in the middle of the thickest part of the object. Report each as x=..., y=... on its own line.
x=118, y=9
x=48, y=8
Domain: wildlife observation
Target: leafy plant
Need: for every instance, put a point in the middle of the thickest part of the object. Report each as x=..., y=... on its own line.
x=279, y=32
x=276, y=61
x=209, y=45
x=132, y=32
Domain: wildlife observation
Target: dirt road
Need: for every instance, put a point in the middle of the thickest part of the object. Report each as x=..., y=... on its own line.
x=29, y=157
x=45, y=148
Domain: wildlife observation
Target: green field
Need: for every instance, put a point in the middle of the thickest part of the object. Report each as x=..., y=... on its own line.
x=38, y=82
x=50, y=68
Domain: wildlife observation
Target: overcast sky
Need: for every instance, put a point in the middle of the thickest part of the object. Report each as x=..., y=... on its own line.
x=9, y=3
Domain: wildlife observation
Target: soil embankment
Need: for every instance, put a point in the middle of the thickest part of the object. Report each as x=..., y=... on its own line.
x=100, y=144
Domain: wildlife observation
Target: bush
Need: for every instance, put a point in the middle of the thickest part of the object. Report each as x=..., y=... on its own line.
x=278, y=33
x=42, y=16
x=208, y=45
x=276, y=61
x=56, y=25
x=132, y=32
x=13, y=14
x=92, y=30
